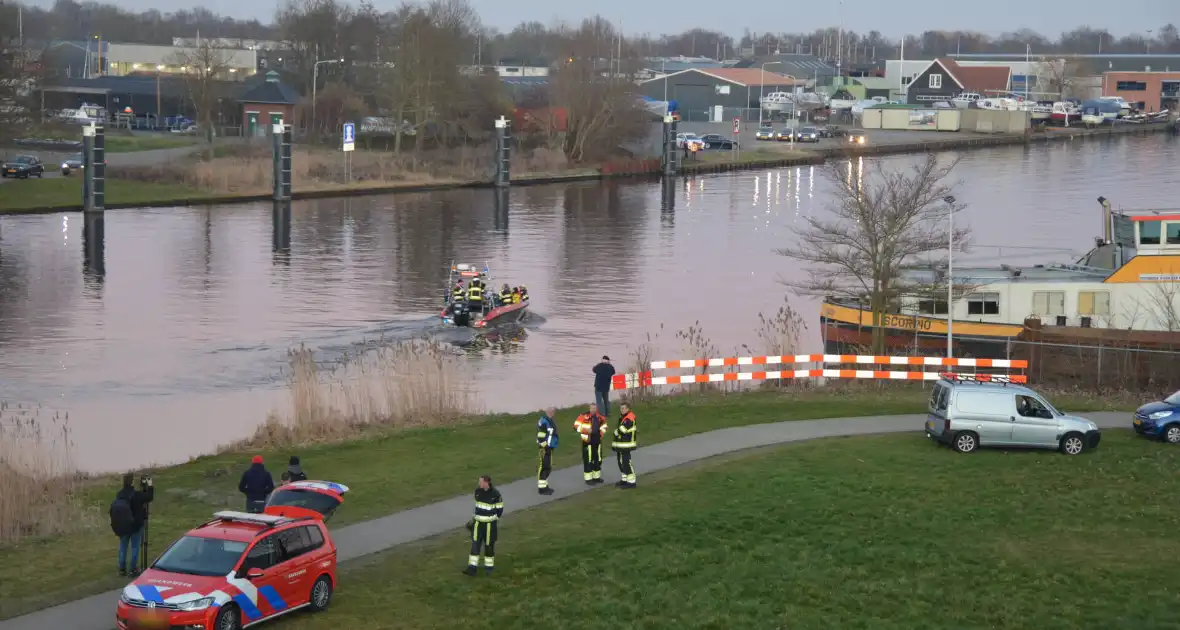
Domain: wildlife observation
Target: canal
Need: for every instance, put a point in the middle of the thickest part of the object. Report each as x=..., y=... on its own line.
x=180, y=345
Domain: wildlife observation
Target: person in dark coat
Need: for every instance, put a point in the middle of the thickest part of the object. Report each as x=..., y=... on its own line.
x=131, y=542
x=256, y=484
x=603, y=373
x=294, y=471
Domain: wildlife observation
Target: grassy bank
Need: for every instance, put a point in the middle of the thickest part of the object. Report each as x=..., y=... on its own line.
x=66, y=192
x=132, y=144
x=391, y=471
x=876, y=533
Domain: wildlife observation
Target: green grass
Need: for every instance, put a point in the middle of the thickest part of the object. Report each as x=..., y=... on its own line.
x=56, y=192
x=880, y=533
x=391, y=472
x=131, y=144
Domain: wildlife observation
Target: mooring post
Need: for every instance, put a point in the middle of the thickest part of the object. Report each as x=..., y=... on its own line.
x=94, y=168
x=503, y=153
x=281, y=157
x=667, y=202
x=671, y=155
x=94, y=245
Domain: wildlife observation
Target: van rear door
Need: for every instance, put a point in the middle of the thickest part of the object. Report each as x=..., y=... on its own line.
x=936, y=409
x=317, y=499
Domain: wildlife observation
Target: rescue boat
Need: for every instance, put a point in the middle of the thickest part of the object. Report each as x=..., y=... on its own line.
x=490, y=313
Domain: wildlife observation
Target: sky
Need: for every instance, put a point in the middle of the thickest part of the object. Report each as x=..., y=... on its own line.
x=732, y=17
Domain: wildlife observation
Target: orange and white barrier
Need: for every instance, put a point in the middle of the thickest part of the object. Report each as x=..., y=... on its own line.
x=648, y=379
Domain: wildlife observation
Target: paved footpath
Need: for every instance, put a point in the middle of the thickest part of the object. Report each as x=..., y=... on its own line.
x=354, y=541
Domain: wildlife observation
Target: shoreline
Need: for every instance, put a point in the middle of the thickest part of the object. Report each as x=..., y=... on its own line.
x=814, y=157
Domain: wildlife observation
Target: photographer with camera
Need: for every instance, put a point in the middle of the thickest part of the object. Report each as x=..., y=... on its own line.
x=129, y=518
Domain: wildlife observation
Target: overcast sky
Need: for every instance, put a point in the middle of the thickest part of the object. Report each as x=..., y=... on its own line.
x=891, y=18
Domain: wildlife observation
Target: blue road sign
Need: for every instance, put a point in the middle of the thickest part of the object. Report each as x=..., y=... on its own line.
x=349, y=136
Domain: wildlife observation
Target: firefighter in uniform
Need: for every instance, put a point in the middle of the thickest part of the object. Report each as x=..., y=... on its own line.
x=546, y=441
x=624, y=445
x=475, y=294
x=592, y=427
x=489, y=507
x=458, y=292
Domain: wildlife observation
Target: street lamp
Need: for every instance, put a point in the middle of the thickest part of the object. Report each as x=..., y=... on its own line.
x=950, y=280
x=315, y=72
x=761, y=85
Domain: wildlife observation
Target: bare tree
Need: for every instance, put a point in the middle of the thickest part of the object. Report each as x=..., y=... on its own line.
x=205, y=69
x=879, y=224
x=1162, y=306
x=1064, y=76
x=19, y=70
x=592, y=86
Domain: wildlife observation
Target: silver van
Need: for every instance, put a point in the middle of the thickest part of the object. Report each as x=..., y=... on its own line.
x=967, y=414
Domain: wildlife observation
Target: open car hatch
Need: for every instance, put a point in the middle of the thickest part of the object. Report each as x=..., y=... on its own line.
x=317, y=499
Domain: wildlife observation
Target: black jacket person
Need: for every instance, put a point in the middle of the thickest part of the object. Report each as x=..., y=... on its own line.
x=484, y=526
x=256, y=484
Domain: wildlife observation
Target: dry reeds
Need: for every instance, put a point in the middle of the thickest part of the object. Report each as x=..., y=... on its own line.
x=399, y=385
x=247, y=168
x=38, y=479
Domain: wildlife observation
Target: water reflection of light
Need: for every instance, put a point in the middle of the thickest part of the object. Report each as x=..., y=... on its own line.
x=798, y=174
x=860, y=172
x=757, y=185
x=811, y=182
x=701, y=185
x=65, y=227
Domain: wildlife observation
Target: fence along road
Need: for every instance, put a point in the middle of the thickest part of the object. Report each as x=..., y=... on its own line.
x=355, y=541
x=648, y=379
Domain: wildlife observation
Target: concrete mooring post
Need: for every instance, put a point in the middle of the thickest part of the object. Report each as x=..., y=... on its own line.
x=668, y=202
x=281, y=156
x=94, y=168
x=503, y=153
x=671, y=153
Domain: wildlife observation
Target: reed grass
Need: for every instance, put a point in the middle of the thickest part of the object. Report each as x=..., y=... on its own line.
x=39, y=483
x=382, y=385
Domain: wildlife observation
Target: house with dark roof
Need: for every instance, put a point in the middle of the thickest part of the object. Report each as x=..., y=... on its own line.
x=945, y=79
x=698, y=90
x=266, y=103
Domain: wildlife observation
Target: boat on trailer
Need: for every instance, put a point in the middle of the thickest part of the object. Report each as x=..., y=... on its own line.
x=489, y=312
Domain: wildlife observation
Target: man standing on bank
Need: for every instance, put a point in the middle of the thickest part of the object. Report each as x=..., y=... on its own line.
x=603, y=373
x=592, y=427
x=624, y=445
x=546, y=441
x=489, y=507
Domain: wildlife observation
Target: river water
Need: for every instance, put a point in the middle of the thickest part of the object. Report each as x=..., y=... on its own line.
x=179, y=346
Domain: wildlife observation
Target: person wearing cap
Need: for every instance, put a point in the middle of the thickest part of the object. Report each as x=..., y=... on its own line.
x=294, y=471
x=256, y=484
x=603, y=373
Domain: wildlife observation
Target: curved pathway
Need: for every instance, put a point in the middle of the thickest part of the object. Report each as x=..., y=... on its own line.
x=361, y=539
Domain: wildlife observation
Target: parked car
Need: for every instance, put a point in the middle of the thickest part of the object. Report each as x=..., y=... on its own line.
x=1159, y=420
x=24, y=167
x=718, y=141
x=71, y=164
x=765, y=132
x=807, y=134
x=684, y=140
x=785, y=135
x=969, y=413
x=239, y=569
x=857, y=136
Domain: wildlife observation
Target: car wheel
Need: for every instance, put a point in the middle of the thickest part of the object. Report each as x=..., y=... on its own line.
x=1073, y=444
x=1172, y=434
x=228, y=619
x=966, y=442
x=321, y=594
x=40, y=174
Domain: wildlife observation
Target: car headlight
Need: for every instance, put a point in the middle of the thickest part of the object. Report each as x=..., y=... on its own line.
x=123, y=598
x=64, y=165
x=1093, y=427
x=196, y=604
x=1160, y=414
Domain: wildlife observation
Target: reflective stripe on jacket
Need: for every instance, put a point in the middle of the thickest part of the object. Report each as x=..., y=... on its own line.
x=489, y=505
x=546, y=432
x=625, y=433
x=584, y=425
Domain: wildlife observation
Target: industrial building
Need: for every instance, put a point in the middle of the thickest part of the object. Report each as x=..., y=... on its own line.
x=1148, y=91
x=700, y=91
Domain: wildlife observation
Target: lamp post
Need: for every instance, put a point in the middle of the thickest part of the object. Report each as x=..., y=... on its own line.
x=315, y=72
x=761, y=84
x=159, y=110
x=950, y=280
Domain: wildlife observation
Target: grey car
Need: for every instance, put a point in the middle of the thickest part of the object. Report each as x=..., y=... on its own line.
x=969, y=414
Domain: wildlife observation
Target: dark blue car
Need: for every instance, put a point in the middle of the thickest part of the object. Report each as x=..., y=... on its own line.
x=1160, y=420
